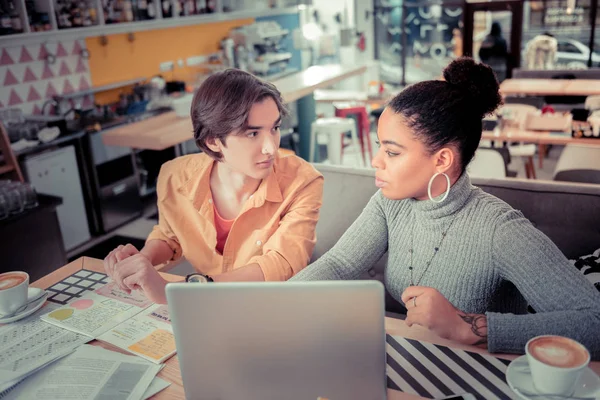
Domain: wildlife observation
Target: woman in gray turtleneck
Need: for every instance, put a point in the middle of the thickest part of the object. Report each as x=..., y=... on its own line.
x=464, y=262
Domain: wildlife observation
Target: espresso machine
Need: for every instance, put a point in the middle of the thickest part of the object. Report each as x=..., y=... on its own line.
x=258, y=48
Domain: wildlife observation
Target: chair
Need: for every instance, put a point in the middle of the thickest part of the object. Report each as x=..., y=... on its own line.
x=487, y=163
x=525, y=151
x=592, y=103
x=578, y=163
x=335, y=129
x=345, y=110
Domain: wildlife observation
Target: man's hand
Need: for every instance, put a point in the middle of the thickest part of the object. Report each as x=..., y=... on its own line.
x=429, y=308
x=117, y=255
x=137, y=273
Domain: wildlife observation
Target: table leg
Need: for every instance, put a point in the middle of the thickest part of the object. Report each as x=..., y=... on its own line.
x=306, y=116
x=541, y=154
x=179, y=150
x=531, y=164
x=136, y=170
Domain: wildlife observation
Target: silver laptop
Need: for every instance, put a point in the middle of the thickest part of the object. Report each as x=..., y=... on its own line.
x=280, y=340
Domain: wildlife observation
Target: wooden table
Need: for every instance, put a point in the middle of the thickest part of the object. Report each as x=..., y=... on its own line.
x=533, y=87
x=156, y=133
x=168, y=130
x=537, y=137
x=171, y=372
x=333, y=96
x=304, y=83
x=583, y=87
x=550, y=87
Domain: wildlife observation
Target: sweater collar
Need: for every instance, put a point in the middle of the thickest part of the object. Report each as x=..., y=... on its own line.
x=458, y=196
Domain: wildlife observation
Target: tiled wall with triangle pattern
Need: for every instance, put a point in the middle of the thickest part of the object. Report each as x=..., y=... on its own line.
x=28, y=79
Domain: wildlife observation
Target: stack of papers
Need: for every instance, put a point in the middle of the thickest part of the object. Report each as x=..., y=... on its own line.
x=91, y=372
x=45, y=357
x=30, y=344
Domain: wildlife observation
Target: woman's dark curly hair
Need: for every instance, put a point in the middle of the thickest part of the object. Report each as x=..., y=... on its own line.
x=450, y=112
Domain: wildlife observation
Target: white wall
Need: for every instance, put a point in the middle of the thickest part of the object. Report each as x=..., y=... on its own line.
x=356, y=18
x=366, y=25
x=328, y=8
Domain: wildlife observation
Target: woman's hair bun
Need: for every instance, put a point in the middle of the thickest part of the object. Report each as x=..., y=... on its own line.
x=478, y=83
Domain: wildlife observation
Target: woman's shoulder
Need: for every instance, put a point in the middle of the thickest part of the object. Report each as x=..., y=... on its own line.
x=496, y=209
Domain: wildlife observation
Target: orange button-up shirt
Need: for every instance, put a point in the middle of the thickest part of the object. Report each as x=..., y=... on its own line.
x=275, y=229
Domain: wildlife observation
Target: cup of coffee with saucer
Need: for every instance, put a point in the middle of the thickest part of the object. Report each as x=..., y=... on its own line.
x=17, y=299
x=555, y=367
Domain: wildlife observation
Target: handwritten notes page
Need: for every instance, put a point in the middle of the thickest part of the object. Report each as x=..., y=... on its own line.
x=98, y=312
x=28, y=344
x=148, y=335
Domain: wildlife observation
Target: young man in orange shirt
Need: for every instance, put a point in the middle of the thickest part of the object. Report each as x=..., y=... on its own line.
x=238, y=211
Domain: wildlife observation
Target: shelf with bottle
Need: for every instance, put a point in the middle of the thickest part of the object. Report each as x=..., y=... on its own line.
x=11, y=17
x=55, y=19
x=187, y=8
x=76, y=13
x=123, y=11
x=229, y=6
x=39, y=15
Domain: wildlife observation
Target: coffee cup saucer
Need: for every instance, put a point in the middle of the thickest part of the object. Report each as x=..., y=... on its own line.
x=518, y=377
x=31, y=307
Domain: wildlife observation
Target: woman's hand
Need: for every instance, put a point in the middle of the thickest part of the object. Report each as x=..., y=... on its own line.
x=429, y=308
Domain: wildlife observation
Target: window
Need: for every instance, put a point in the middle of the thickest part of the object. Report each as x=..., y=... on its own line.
x=596, y=53
x=567, y=47
x=432, y=33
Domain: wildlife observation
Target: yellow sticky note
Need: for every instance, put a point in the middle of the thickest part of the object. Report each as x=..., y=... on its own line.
x=61, y=314
x=156, y=345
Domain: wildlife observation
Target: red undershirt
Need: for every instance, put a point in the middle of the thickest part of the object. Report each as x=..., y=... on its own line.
x=223, y=227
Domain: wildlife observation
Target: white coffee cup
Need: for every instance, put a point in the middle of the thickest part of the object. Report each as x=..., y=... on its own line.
x=13, y=291
x=556, y=363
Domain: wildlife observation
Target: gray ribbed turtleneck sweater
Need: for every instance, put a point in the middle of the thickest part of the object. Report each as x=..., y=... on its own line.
x=492, y=261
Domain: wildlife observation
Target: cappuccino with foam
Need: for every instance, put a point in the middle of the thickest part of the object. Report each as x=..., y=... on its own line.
x=556, y=363
x=558, y=351
x=11, y=279
x=13, y=291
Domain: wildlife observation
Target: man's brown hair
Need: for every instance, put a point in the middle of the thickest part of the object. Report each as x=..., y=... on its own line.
x=222, y=104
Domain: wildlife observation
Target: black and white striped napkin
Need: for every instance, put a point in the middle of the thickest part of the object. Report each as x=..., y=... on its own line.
x=433, y=371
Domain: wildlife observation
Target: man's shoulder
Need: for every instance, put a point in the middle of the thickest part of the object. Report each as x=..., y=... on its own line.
x=183, y=165
x=181, y=169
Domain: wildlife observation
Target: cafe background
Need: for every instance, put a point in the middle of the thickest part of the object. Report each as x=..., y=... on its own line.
x=95, y=53
x=416, y=39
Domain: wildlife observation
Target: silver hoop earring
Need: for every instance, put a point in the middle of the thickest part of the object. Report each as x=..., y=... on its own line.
x=447, y=189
